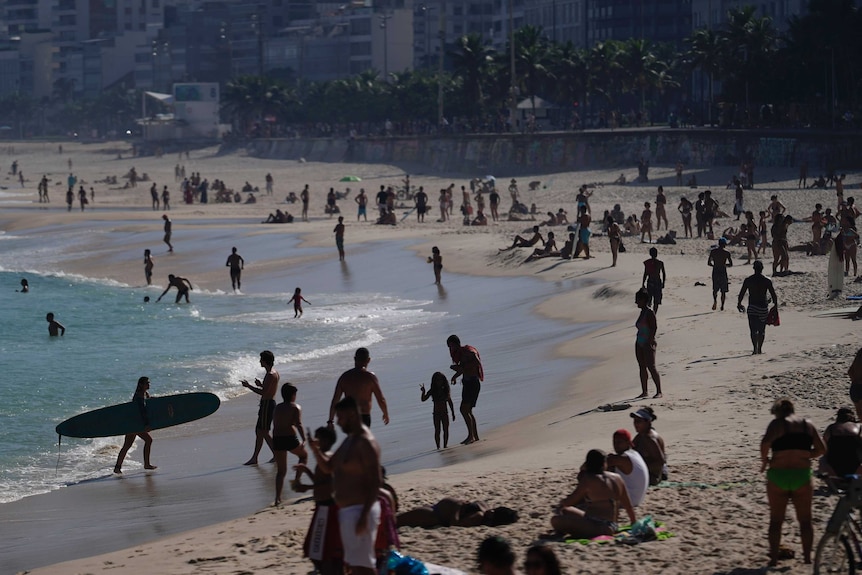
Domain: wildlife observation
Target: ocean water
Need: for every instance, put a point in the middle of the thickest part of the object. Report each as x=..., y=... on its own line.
x=382, y=298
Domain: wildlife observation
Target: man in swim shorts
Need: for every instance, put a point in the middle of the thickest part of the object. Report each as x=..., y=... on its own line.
x=183, y=286
x=356, y=481
x=236, y=265
x=719, y=260
x=654, y=278
x=757, y=286
x=361, y=385
x=466, y=362
x=266, y=390
x=168, y=227
x=339, y=237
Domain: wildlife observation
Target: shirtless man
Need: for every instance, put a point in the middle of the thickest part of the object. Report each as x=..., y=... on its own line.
x=359, y=384
x=654, y=278
x=168, y=230
x=757, y=286
x=660, y=211
x=303, y=196
x=286, y=431
x=55, y=328
x=356, y=480
x=183, y=286
x=520, y=242
x=266, y=390
x=236, y=265
x=339, y=237
x=719, y=260
x=467, y=363
x=362, y=205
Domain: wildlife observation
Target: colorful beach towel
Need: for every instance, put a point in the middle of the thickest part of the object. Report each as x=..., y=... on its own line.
x=624, y=535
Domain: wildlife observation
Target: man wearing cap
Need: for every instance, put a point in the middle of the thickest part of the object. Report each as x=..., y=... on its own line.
x=757, y=286
x=629, y=464
x=361, y=385
x=719, y=260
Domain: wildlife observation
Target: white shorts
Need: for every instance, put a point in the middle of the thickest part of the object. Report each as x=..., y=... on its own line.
x=359, y=549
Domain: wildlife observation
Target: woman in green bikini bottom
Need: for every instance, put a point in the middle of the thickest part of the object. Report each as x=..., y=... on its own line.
x=794, y=442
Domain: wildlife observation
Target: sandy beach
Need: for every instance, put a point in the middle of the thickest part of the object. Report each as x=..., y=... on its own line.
x=716, y=395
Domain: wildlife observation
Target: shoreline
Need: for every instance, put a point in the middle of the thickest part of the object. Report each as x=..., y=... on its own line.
x=714, y=408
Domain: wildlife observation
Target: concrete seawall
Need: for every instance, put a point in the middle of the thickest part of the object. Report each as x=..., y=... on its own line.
x=513, y=155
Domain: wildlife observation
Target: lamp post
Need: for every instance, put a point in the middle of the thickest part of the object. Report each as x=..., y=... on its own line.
x=384, y=19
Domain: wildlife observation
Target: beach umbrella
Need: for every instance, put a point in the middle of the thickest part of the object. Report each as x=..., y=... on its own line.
x=490, y=178
x=350, y=179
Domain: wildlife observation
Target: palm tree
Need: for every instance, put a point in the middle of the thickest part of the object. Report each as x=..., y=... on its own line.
x=569, y=70
x=750, y=42
x=531, y=61
x=471, y=59
x=640, y=67
x=603, y=70
x=705, y=54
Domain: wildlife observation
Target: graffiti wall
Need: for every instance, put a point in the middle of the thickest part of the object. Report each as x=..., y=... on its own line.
x=537, y=153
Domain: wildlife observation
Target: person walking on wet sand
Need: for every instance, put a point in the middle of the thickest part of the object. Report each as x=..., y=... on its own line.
x=361, y=385
x=82, y=197
x=166, y=198
x=653, y=279
x=55, y=328
x=645, y=344
x=297, y=300
x=236, y=265
x=442, y=398
x=168, y=230
x=467, y=363
x=70, y=198
x=286, y=431
x=719, y=260
x=266, y=390
x=339, y=237
x=758, y=287
x=140, y=400
x=183, y=286
x=154, y=194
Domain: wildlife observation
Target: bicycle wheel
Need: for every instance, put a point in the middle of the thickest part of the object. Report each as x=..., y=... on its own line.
x=834, y=555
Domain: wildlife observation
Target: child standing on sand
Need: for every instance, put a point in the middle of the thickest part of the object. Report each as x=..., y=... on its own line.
x=297, y=300
x=439, y=394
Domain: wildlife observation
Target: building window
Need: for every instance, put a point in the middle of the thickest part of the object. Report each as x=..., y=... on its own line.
x=360, y=27
x=360, y=49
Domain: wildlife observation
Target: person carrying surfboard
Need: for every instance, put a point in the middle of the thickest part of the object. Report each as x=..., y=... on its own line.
x=140, y=399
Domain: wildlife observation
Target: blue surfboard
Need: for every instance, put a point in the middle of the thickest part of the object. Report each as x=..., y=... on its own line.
x=124, y=418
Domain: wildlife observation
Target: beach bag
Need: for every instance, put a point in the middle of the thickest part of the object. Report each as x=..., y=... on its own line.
x=772, y=316
x=622, y=249
x=644, y=529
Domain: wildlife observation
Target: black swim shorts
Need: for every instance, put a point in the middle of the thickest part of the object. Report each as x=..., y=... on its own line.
x=470, y=393
x=856, y=392
x=285, y=442
x=264, y=414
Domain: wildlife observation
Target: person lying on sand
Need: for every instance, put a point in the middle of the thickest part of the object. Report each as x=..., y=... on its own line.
x=451, y=512
x=550, y=250
x=520, y=242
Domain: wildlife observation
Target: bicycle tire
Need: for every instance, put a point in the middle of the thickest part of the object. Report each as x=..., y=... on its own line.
x=834, y=555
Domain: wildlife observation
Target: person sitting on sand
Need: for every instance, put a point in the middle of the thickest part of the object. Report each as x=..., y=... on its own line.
x=843, y=445
x=549, y=250
x=649, y=444
x=291, y=198
x=452, y=512
x=541, y=560
x=593, y=507
x=278, y=218
x=387, y=219
x=520, y=242
x=629, y=464
x=551, y=221
x=632, y=227
x=618, y=215
x=251, y=199
x=480, y=219
x=562, y=217
x=621, y=180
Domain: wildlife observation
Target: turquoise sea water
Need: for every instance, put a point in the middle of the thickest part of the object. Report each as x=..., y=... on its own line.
x=381, y=298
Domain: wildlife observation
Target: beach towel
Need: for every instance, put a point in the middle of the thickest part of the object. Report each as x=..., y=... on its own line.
x=624, y=535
